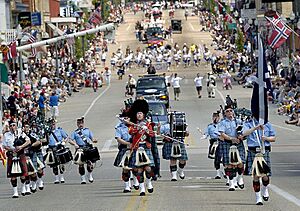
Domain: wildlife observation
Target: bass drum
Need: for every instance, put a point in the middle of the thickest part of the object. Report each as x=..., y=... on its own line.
x=178, y=125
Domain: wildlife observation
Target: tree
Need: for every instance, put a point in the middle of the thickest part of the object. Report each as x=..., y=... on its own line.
x=240, y=40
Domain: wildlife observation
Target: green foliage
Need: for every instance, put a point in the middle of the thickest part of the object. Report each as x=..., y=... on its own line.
x=240, y=41
x=78, y=46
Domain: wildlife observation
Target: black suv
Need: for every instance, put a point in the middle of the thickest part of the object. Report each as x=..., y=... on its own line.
x=153, y=88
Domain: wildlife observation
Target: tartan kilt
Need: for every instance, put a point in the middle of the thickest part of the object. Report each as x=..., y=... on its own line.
x=132, y=159
x=250, y=159
x=224, y=150
x=167, y=151
x=23, y=165
x=155, y=153
x=33, y=156
x=119, y=157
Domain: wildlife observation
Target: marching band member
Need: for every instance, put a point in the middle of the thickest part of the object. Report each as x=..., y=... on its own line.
x=123, y=138
x=141, y=159
x=57, y=139
x=167, y=152
x=83, y=138
x=36, y=156
x=214, y=147
x=259, y=137
x=211, y=85
x=232, y=148
x=15, y=140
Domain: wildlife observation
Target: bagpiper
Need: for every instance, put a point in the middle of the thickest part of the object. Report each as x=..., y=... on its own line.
x=15, y=141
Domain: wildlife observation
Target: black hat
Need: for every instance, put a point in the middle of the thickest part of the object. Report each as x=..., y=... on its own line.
x=227, y=107
x=81, y=119
x=216, y=113
x=138, y=106
x=10, y=122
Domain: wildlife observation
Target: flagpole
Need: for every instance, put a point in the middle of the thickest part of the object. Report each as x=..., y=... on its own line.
x=283, y=24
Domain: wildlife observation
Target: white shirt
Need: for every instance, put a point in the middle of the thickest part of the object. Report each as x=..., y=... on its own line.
x=9, y=138
x=44, y=81
x=198, y=81
x=175, y=82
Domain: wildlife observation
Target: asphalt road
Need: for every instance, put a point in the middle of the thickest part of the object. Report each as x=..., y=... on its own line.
x=198, y=191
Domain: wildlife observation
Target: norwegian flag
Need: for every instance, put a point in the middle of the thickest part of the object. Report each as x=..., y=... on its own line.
x=280, y=32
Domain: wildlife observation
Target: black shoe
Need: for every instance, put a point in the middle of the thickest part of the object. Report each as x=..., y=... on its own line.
x=15, y=197
x=241, y=186
x=227, y=184
x=41, y=188
x=259, y=203
x=218, y=177
x=27, y=193
x=142, y=194
x=150, y=190
x=32, y=191
x=23, y=194
x=83, y=183
x=126, y=191
x=173, y=180
x=265, y=198
x=62, y=182
x=181, y=177
x=56, y=182
x=91, y=181
x=136, y=187
x=231, y=189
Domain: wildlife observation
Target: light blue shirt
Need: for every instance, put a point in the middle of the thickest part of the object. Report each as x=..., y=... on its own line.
x=252, y=140
x=60, y=135
x=122, y=132
x=165, y=129
x=212, y=131
x=229, y=127
x=86, y=133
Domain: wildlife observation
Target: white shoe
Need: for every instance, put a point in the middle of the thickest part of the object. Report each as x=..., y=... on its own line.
x=27, y=188
x=82, y=178
x=240, y=181
x=149, y=185
x=265, y=192
x=135, y=183
x=40, y=184
x=174, y=175
x=56, y=181
x=33, y=186
x=90, y=176
x=127, y=188
x=142, y=189
x=23, y=189
x=181, y=173
x=16, y=194
x=219, y=174
x=258, y=198
x=235, y=182
x=231, y=185
x=227, y=181
x=62, y=179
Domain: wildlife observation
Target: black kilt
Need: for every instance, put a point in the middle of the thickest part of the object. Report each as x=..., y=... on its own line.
x=218, y=154
x=225, y=151
x=250, y=159
x=167, y=151
x=132, y=159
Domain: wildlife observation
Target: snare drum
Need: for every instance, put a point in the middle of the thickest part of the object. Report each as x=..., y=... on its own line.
x=178, y=125
x=92, y=154
x=64, y=155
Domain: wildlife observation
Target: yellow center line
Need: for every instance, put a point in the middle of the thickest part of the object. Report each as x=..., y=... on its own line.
x=143, y=203
x=132, y=202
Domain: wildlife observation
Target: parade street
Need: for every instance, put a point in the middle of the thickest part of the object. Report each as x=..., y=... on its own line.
x=199, y=190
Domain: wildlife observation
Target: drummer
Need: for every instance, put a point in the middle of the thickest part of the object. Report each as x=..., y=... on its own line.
x=83, y=138
x=57, y=140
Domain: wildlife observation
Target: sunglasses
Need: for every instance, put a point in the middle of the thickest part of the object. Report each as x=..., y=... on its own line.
x=229, y=110
x=14, y=124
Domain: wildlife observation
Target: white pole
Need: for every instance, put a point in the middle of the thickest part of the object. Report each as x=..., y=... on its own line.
x=107, y=27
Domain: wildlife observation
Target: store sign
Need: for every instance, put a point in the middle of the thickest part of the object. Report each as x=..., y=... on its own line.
x=24, y=19
x=248, y=13
x=36, y=19
x=231, y=26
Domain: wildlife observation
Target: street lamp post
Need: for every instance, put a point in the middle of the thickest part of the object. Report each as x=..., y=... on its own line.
x=56, y=56
x=292, y=18
x=19, y=37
